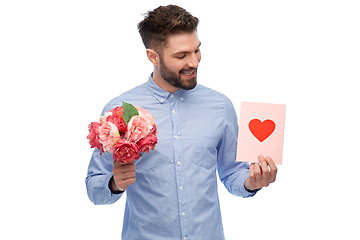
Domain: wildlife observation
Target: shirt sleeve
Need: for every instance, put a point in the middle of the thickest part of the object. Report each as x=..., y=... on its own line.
x=98, y=177
x=232, y=174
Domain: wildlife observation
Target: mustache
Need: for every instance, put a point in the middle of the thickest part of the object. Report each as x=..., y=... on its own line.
x=187, y=70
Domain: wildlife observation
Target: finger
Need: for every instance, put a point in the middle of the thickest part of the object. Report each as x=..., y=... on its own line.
x=265, y=171
x=128, y=168
x=126, y=175
x=273, y=169
x=252, y=174
x=257, y=171
x=117, y=163
x=128, y=182
x=123, y=181
x=123, y=168
x=124, y=184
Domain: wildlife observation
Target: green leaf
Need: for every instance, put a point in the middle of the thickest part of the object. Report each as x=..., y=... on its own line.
x=128, y=112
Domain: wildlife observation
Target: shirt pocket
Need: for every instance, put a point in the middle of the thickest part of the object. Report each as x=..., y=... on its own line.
x=206, y=150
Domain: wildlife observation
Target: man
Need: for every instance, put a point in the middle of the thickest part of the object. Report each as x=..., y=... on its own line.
x=172, y=191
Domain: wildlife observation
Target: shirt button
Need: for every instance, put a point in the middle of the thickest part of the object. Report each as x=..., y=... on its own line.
x=183, y=214
x=162, y=100
x=181, y=188
x=172, y=95
x=173, y=111
x=179, y=163
x=181, y=99
x=185, y=238
x=176, y=137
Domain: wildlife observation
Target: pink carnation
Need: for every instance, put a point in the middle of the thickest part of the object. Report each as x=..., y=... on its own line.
x=148, y=143
x=153, y=129
x=120, y=122
x=94, y=135
x=137, y=129
x=146, y=114
x=106, y=115
x=109, y=135
x=125, y=151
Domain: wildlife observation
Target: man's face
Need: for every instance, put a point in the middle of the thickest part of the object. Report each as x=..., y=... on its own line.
x=180, y=59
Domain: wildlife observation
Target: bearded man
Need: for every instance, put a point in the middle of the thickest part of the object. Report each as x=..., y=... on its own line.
x=172, y=191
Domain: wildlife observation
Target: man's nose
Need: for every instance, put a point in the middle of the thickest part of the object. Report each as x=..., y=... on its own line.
x=194, y=61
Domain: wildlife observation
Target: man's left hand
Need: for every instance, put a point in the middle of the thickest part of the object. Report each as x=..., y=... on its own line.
x=261, y=174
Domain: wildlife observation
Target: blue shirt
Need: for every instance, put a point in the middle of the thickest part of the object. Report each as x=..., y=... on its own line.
x=175, y=195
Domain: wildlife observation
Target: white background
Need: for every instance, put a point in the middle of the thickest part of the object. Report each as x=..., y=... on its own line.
x=62, y=61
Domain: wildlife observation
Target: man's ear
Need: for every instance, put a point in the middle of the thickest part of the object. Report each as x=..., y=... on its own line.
x=153, y=56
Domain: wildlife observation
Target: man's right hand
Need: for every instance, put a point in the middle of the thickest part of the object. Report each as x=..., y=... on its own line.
x=123, y=175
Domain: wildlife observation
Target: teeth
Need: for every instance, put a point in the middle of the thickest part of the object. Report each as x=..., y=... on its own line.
x=188, y=72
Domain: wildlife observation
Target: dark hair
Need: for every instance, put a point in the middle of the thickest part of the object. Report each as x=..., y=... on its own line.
x=163, y=22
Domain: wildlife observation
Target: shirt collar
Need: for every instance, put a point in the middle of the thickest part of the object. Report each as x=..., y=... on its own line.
x=162, y=95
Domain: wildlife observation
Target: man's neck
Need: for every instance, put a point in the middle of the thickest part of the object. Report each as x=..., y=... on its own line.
x=163, y=84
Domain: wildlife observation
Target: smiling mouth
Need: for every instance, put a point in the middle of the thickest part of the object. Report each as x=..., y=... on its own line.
x=190, y=73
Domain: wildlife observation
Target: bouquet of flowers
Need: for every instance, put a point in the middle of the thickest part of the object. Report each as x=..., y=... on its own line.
x=124, y=131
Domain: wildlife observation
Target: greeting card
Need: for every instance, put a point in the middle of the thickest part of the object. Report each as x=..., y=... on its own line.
x=261, y=131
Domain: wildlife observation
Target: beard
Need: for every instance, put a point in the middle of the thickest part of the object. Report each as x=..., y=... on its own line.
x=175, y=78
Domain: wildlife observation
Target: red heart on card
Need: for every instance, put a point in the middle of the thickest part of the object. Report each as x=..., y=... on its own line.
x=261, y=130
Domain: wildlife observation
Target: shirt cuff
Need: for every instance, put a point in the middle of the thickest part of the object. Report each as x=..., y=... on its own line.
x=109, y=197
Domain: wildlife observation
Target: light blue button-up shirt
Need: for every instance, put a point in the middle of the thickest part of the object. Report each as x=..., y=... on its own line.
x=175, y=195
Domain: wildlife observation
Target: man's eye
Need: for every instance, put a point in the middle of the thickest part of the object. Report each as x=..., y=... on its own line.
x=181, y=57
